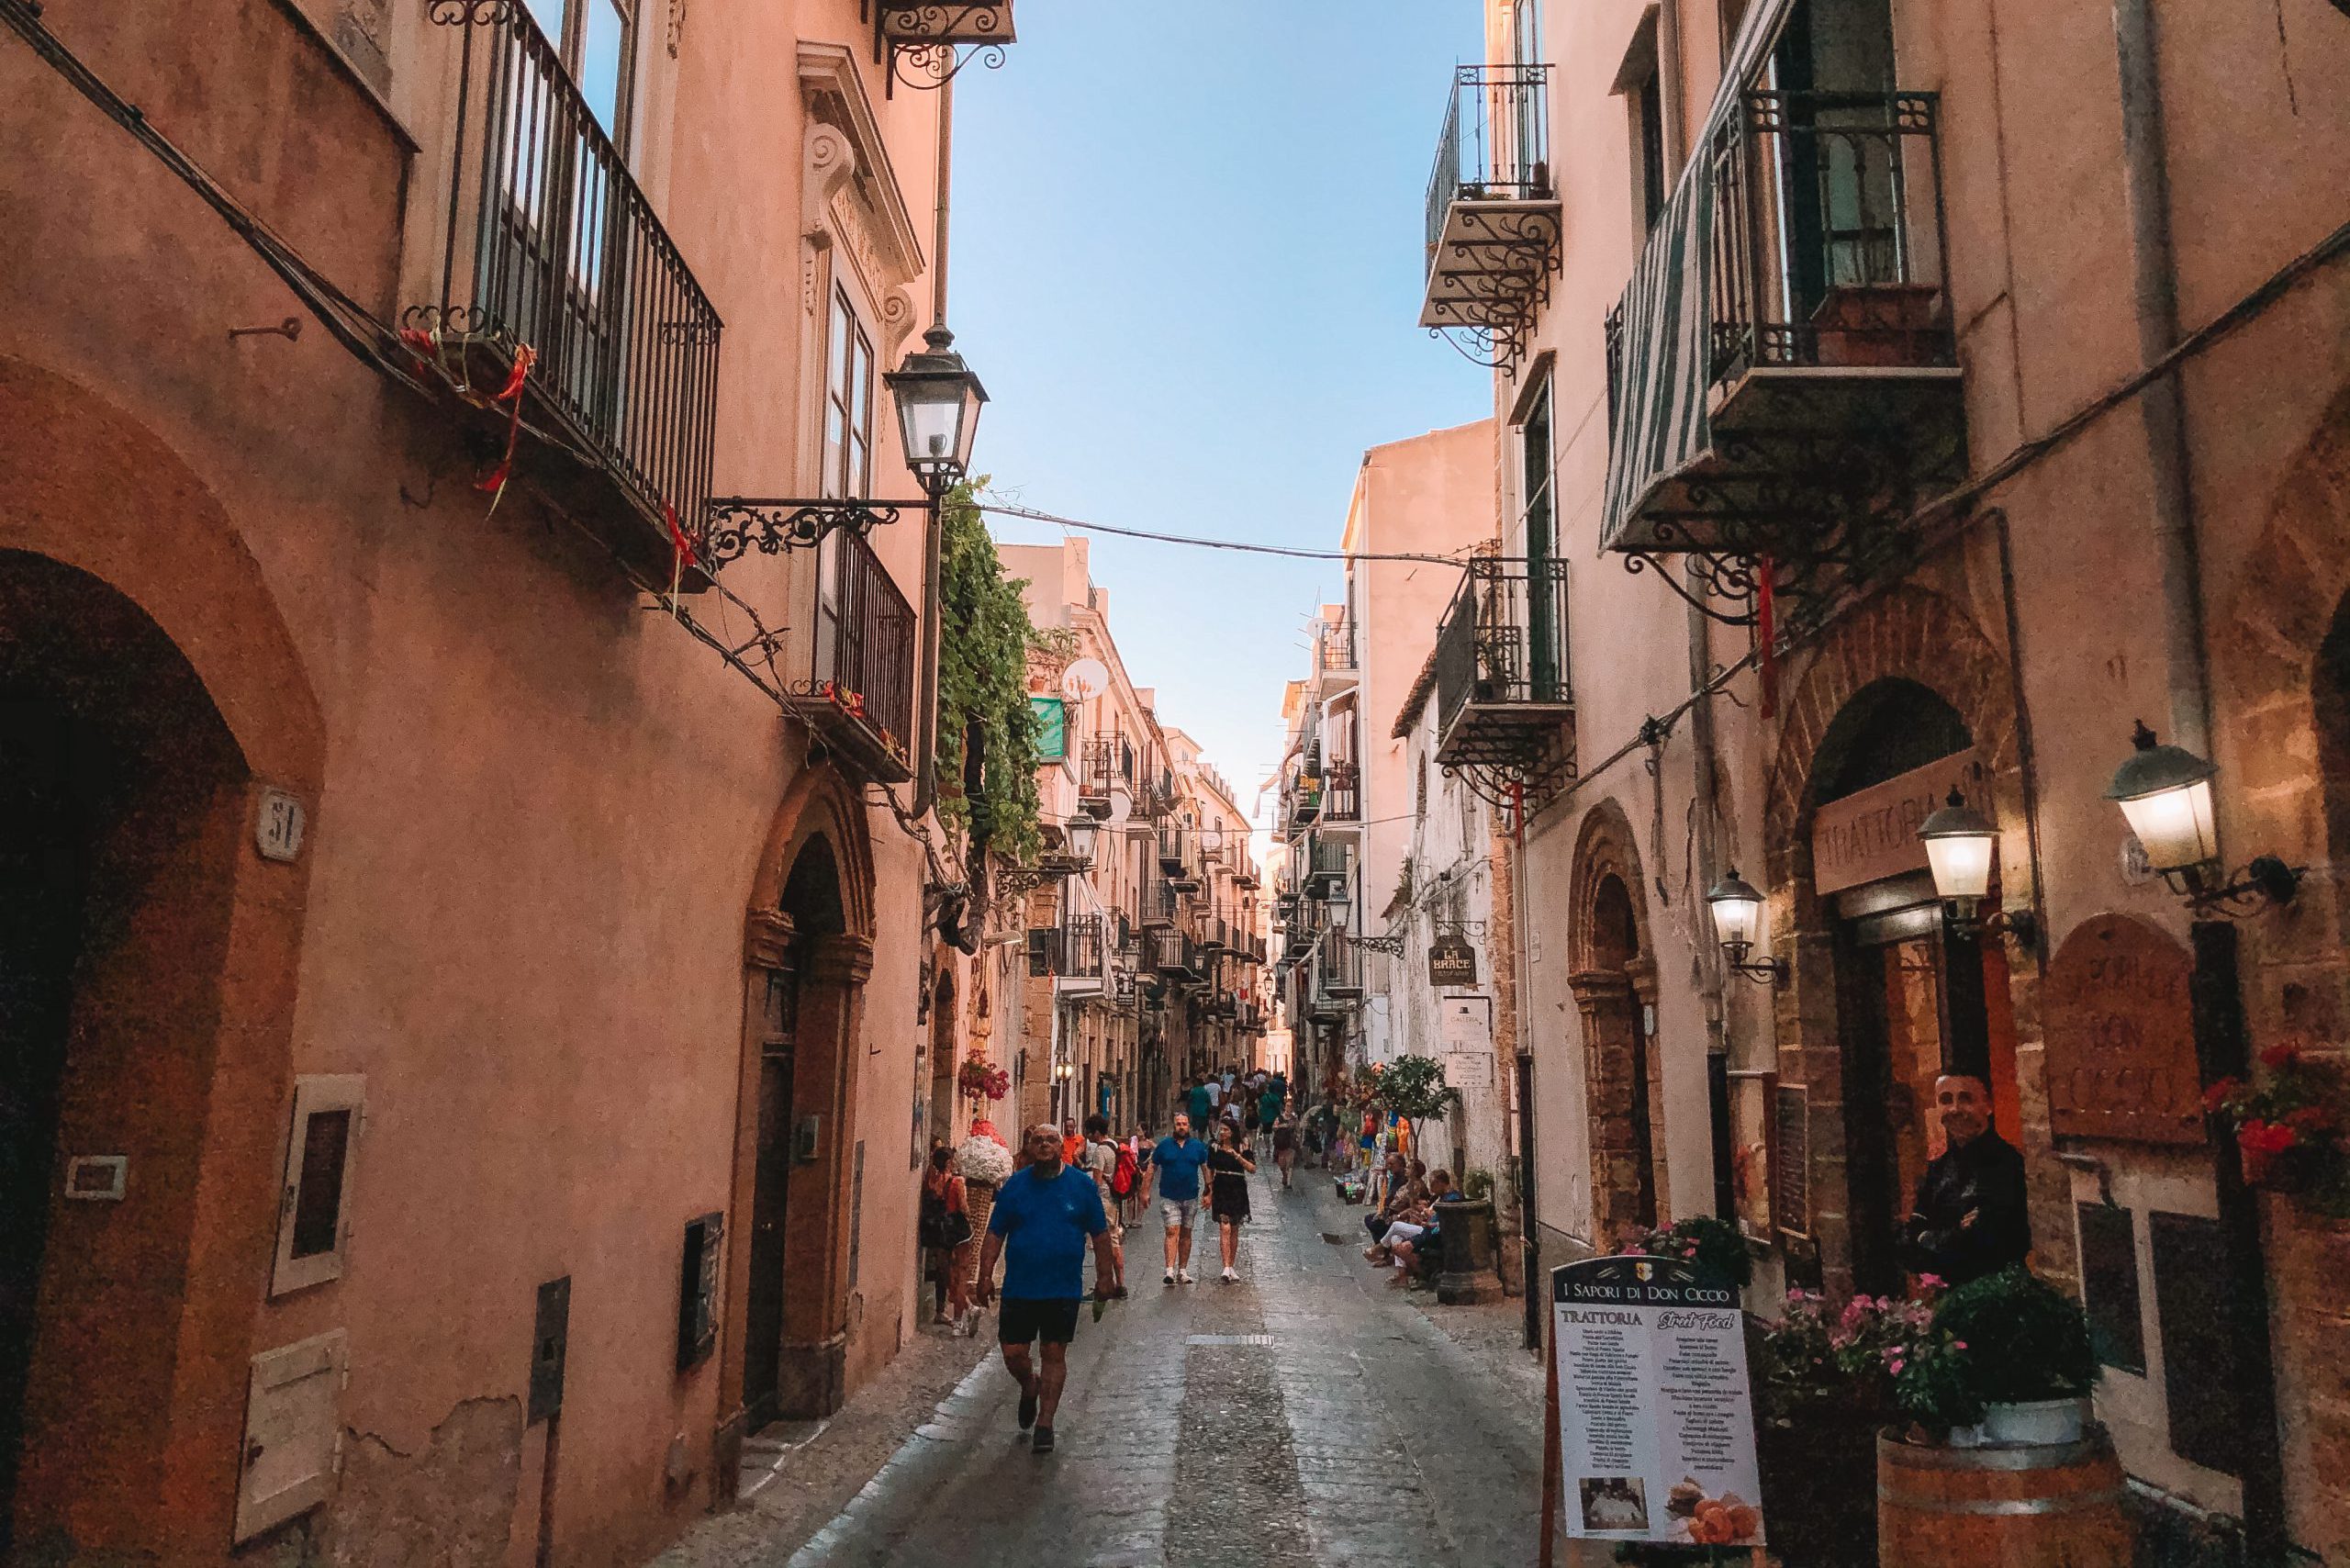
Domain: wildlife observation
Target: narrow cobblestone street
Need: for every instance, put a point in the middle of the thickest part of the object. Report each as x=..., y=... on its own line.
x=1311, y=1414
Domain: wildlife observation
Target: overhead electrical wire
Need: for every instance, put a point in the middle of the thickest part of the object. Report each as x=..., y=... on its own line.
x=1029, y=514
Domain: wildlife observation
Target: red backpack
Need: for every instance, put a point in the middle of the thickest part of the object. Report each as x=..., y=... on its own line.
x=1122, y=1180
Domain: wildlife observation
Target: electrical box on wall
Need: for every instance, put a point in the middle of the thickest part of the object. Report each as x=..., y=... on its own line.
x=698, y=1290
x=293, y=1431
x=550, y=1346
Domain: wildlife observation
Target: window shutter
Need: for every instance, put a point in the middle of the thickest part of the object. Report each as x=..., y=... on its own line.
x=313, y=1229
x=293, y=1431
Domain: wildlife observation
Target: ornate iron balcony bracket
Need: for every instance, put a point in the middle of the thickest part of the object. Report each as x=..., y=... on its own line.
x=925, y=44
x=1391, y=945
x=737, y=523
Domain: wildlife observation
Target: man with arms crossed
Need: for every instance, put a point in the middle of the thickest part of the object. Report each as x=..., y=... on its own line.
x=1043, y=1214
x=1178, y=1161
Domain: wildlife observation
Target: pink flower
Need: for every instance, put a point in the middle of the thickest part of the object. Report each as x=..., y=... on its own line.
x=1958, y=1344
x=1895, y=1363
x=1929, y=1282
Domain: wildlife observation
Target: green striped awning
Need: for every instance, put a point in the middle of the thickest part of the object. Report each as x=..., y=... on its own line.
x=1659, y=424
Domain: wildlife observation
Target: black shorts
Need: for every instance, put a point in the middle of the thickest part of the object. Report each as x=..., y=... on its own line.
x=1053, y=1320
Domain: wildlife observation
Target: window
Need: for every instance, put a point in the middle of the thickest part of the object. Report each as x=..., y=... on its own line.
x=1525, y=32
x=596, y=40
x=848, y=403
x=311, y=1232
x=1648, y=114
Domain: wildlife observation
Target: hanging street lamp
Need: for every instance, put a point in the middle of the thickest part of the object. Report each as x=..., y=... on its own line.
x=938, y=403
x=2164, y=792
x=1083, y=832
x=1738, y=915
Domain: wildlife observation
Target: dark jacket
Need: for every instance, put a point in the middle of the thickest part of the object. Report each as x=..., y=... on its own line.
x=1985, y=1177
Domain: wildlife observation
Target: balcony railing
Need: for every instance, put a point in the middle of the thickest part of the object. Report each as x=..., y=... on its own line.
x=1174, y=954
x=1493, y=215
x=1831, y=394
x=860, y=689
x=1501, y=666
x=1081, y=951
x=552, y=247
x=1097, y=767
x=1828, y=242
x=1333, y=650
x=1342, y=800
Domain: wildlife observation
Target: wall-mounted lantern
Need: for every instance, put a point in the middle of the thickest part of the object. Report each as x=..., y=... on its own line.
x=2164, y=791
x=1738, y=916
x=1083, y=832
x=1962, y=847
x=938, y=403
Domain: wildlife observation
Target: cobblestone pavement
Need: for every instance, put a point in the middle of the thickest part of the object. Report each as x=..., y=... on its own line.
x=1310, y=1415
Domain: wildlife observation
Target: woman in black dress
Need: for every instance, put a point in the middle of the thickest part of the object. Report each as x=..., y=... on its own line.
x=1230, y=1164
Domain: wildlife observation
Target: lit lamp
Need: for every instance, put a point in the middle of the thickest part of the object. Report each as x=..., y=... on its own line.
x=2164, y=791
x=938, y=403
x=1738, y=915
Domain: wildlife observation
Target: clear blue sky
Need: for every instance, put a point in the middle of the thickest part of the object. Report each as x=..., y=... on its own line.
x=1187, y=264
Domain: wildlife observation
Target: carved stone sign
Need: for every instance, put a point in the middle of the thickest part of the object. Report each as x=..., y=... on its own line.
x=1873, y=833
x=2121, y=1035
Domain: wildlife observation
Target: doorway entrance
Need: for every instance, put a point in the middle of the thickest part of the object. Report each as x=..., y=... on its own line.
x=1916, y=997
x=121, y=796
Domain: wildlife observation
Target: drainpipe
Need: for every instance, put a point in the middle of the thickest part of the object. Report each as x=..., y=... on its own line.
x=934, y=534
x=2154, y=282
x=2220, y=1031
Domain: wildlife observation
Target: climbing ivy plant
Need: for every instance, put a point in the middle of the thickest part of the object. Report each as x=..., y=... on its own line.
x=983, y=692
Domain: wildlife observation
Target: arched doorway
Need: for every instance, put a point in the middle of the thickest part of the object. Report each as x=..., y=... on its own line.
x=1916, y=995
x=940, y=1118
x=808, y=951
x=122, y=798
x=1613, y=982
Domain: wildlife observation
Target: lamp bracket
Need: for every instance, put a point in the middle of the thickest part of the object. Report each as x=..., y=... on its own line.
x=735, y=524
x=1761, y=972
x=2264, y=884
x=1391, y=945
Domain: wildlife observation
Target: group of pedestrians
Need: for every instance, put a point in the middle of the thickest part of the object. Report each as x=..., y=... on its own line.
x=1066, y=1197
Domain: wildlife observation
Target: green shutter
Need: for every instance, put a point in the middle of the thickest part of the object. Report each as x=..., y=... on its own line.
x=1052, y=722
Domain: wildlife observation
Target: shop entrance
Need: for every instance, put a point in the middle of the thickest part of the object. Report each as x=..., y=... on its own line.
x=1915, y=998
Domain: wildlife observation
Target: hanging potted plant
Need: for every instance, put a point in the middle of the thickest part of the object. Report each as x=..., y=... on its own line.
x=2288, y=1127
x=979, y=1079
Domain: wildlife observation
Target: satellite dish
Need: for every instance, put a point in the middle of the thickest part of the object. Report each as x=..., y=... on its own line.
x=1085, y=679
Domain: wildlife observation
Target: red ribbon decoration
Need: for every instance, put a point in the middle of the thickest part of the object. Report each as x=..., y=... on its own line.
x=684, y=546
x=494, y=480
x=1766, y=628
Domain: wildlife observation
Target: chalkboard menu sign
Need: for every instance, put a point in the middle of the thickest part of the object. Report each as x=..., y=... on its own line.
x=1791, y=1160
x=2110, y=1286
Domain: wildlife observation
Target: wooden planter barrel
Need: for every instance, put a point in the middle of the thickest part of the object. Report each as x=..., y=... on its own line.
x=2044, y=1506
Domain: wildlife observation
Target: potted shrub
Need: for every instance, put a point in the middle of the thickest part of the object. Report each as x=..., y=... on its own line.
x=1713, y=1244
x=2013, y=1352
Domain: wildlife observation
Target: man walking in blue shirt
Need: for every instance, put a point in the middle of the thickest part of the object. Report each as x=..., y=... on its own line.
x=1178, y=1161
x=1043, y=1214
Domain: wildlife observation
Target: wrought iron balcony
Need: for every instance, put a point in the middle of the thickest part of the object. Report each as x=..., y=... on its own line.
x=1329, y=871
x=1333, y=650
x=1493, y=215
x=1097, y=771
x=1171, y=847
x=1174, y=955
x=858, y=691
x=1303, y=801
x=1833, y=398
x=1081, y=952
x=1505, y=716
x=1342, y=798
x=1339, y=967
x=563, y=302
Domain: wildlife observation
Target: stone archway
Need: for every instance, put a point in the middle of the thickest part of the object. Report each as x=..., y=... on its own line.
x=2280, y=676
x=1612, y=974
x=135, y=626
x=808, y=951
x=1910, y=636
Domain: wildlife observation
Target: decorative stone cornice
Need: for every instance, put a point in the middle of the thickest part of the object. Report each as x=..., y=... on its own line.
x=886, y=242
x=766, y=939
x=841, y=957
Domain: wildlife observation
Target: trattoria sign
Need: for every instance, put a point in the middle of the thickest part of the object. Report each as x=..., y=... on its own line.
x=1654, y=1416
x=2121, y=1035
x=1873, y=833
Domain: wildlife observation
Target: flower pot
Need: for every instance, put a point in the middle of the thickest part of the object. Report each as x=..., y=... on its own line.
x=2036, y=1421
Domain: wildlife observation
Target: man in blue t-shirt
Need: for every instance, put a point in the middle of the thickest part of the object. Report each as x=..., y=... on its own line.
x=1178, y=1161
x=1043, y=1214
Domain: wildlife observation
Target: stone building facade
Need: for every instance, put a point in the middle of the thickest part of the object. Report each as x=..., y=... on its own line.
x=467, y=972
x=1892, y=400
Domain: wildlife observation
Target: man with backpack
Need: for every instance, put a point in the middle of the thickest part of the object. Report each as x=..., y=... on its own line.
x=1113, y=1170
